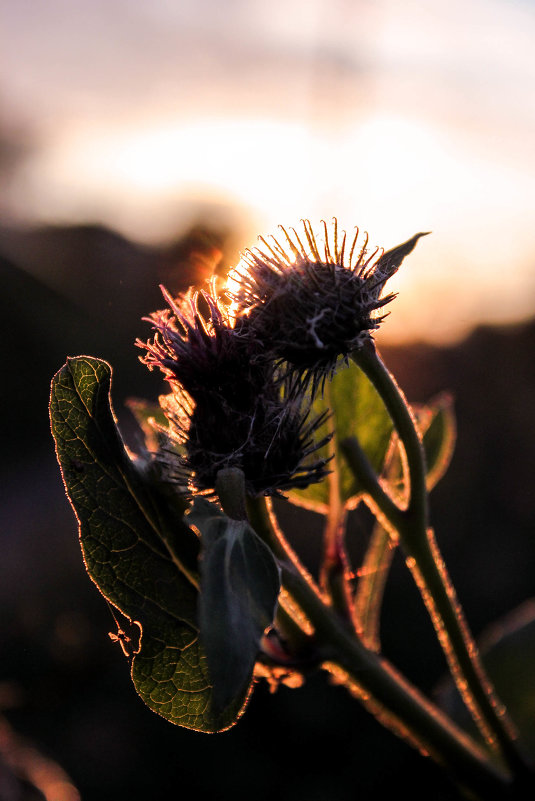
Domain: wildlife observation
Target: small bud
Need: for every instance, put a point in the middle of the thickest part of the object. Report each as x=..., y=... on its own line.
x=230, y=488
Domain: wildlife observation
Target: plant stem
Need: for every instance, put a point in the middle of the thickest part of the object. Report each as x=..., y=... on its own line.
x=427, y=566
x=261, y=517
x=400, y=413
x=386, y=510
x=392, y=699
x=334, y=575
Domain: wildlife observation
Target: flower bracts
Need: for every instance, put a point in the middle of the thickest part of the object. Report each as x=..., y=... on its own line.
x=243, y=374
x=229, y=405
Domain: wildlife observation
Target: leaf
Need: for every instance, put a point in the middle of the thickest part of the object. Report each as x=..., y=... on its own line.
x=240, y=584
x=154, y=424
x=357, y=410
x=150, y=418
x=435, y=422
x=137, y=550
x=390, y=262
x=371, y=584
x=439, y=438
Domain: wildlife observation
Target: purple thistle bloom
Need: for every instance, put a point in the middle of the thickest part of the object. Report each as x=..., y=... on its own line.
x=313, y=305
x=229, y=406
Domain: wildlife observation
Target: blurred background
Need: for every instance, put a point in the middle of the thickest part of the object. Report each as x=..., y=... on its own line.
x=149, y=142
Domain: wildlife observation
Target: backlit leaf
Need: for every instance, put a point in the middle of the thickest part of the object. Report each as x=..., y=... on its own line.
x=150, y=418
x=137, y=550
x=357, y=411
x=439, y=438
x=240, y=584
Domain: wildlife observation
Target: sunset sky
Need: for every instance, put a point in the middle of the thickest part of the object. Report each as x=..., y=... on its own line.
x=397, y=117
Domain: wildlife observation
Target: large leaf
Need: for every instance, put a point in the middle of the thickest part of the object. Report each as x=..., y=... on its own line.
x=137, y=550
x=240, y=584
x=357, y=411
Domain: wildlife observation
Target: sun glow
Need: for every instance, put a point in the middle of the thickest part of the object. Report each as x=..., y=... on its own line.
x=257, y=163
x=385, y=173
x=226, y=154
x=281, y=170
x=390, y=175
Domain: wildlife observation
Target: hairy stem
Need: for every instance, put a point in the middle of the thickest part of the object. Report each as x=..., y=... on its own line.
x=392, y=699
x=428, y=568
x=262, y=519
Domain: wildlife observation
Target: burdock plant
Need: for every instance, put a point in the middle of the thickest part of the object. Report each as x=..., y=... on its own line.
x=276, y=388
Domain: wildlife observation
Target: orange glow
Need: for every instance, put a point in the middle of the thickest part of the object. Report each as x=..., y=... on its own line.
x=389, y=174
x=360, y=111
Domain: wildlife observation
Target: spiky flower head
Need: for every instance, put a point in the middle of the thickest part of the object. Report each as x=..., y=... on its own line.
x=314, y=303
x=229, y=406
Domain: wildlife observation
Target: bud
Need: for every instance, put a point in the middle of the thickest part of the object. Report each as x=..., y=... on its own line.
x=311, y=304
x=229, y=406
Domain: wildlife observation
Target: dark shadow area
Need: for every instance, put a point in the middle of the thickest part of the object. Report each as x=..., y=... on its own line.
x=65, y=685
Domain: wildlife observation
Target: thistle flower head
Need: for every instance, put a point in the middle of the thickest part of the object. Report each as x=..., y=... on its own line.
x=311, y=303
x=229, y=406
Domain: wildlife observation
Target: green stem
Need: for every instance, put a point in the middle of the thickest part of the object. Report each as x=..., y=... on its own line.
x=392, y=699
x=386, y=510
x=428, y=568
x=334, y=575
x=400, y=413
x=260, y=515
x=299, y=643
